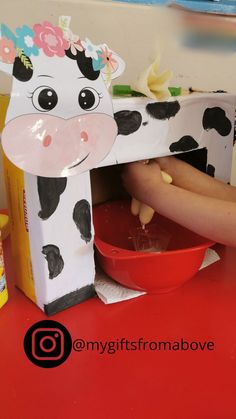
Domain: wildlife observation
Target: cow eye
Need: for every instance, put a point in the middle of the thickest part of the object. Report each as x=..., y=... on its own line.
x=44, y=99
x=89, y=99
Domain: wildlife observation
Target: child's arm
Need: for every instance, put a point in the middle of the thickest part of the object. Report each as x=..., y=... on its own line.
x=210, y=217
x=191, y=179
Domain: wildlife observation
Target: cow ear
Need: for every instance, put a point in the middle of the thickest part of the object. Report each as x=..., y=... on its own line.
x=6, y=68
x=114, y=68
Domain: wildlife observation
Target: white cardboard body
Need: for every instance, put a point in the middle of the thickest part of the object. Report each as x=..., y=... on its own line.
x=59, y=230
x=151, y=140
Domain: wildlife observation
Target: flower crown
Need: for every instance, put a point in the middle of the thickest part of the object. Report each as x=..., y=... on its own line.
x=53, y=40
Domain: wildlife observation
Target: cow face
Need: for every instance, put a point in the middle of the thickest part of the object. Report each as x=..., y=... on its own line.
x=60, y=117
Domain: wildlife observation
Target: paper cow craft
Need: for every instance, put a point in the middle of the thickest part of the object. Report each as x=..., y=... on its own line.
x=60, y=118
x=60, y=124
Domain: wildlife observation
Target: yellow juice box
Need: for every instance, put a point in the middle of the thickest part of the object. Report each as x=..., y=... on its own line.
x=4, y=101
x=3, y=285
x=3, y=288
x=14, y=180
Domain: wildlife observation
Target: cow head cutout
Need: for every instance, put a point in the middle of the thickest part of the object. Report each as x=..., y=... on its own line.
x=60, y=117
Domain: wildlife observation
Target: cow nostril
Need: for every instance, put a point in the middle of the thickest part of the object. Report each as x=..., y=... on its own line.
x=47, y=140
x=84, y=136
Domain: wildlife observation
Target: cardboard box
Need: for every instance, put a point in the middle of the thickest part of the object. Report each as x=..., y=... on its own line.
x=51, y=226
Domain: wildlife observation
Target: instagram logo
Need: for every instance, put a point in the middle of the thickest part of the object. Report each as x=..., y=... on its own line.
x=47, y=344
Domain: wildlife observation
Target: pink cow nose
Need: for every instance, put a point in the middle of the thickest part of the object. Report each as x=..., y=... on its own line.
x=51, y=146
x=47, y=140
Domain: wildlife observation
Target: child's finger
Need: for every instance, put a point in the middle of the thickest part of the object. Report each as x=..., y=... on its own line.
x=145, y=214
x=167, y=178
x=135, y=206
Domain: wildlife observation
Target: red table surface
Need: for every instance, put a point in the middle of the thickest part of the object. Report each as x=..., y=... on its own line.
x=129, y=384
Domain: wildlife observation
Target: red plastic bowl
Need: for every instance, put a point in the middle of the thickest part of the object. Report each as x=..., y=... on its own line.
x=152, y=272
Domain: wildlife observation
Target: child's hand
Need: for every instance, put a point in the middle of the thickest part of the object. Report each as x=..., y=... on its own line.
x=169, y=165
x=142, y=180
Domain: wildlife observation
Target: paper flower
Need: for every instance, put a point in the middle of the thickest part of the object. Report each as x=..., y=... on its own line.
x=97, y=64
x=152, y=84
x=74, y=41
x=91, y=50
x=7, y=51
x=51, y=39
x=5, y=32
x=25, y=41
x=106, y=56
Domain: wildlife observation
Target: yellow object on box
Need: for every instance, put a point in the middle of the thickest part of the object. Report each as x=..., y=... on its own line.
x=15, y=185
x=3, y=285
x=152, y=83
x=4, y=225
x=4, y=101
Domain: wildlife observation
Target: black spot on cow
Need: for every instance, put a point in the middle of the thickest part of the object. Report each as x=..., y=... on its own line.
x=186, y=143
x=216, y=118
x=84, y=63
x=20, y=71
x=211, y=170
x=145, y=123
x=163, y=110
x=54, y=259
x=128, y=121
x=82, y=219
x=49, y=190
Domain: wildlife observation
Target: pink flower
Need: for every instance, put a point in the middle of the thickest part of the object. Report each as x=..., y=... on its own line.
x=74, y=42
x=7, y=51
x=107, y=59
x=51, y=39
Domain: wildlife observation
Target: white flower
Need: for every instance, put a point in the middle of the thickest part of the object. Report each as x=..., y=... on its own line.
x=90, y=49
x=29, y=42
x=74, y=41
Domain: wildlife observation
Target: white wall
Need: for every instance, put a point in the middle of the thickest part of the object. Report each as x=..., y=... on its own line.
x=137, y=32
